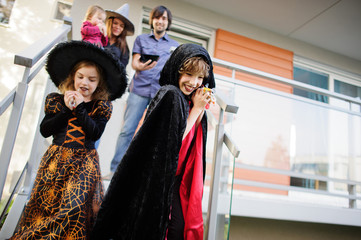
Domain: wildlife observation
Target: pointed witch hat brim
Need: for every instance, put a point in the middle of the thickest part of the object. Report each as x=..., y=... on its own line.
x=122, y=13
x=65, y=55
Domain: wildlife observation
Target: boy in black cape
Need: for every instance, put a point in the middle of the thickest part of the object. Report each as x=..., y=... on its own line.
x=145, y=189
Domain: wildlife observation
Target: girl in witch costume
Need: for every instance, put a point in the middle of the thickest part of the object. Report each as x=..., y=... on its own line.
x=156, y=191
x=68, y=191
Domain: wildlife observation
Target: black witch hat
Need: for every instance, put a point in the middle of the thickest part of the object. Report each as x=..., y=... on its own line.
x=65, y=55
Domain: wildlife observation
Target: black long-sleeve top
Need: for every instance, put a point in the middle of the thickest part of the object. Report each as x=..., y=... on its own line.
x=75, y=129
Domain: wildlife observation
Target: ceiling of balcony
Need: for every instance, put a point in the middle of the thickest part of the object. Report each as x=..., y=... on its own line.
x=331, y=24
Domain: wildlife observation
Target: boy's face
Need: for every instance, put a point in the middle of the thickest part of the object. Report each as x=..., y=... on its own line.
x=188, y=82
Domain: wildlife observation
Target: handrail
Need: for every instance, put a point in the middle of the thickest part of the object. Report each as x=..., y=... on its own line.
x=287, y=187
x=351, y=196
x=295, y=174
x=290, y=82
x=16, y=187
x=226, y=105
x=33, y=59
x=7, y=101
x=230, y=145
x=32, y=54
x=28, y=58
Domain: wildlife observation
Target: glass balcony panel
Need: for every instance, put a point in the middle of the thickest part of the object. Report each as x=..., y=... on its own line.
x=282, y=131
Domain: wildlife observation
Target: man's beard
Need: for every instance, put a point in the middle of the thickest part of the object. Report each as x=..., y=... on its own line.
x=159, y=32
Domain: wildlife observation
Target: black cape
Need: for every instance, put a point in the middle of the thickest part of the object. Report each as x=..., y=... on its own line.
x=138, y=199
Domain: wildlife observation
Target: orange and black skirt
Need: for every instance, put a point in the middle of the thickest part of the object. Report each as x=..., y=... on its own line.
x=66, y=196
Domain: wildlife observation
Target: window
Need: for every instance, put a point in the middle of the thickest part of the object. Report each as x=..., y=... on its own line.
x=5, y=11
x=327, y=77
x=311, y=77
x=347, y=89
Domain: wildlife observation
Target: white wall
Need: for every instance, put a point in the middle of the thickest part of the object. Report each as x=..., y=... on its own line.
x=29, y=21
x=184, y=10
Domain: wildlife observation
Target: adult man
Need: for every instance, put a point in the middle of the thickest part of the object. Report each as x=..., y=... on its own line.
x=145, y=83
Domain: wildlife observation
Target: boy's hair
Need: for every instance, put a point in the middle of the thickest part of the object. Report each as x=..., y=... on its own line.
x=158, y=12
x=92, y=10
x=101, y=92
x=195, y=65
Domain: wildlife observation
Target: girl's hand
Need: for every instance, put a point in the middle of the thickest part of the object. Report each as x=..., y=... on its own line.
x=72, y=99
x=201, y=98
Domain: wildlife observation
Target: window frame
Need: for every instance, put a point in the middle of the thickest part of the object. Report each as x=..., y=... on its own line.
x=333, y=72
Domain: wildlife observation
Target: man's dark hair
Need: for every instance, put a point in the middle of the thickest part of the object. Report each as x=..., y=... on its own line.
x=158, y=12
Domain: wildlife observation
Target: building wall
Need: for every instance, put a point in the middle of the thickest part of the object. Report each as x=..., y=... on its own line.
x=29, y=22
x=208, y=18
x=203, y=17
x=260, y=229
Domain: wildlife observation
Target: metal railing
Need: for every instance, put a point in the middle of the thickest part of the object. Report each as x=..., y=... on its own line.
x=221, y=137
x=352, y=188
x=290, y=82
x=33, y=59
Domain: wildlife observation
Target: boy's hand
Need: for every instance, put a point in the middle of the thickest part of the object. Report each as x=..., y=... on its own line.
x=212, y=99
x=201, y=98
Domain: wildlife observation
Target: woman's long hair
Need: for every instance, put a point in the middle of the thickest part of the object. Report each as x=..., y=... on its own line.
x=120, y=40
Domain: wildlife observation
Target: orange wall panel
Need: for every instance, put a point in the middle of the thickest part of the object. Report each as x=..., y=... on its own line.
x=254, y=54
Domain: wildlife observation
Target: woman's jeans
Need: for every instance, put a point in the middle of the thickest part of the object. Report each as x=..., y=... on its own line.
x=133, y=113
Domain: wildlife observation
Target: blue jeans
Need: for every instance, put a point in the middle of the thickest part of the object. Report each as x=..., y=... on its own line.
x=133, y=113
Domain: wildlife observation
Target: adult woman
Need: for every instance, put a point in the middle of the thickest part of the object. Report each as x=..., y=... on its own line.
x=118, y=27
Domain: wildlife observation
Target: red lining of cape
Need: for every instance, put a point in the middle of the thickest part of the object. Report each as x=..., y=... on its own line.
x=191, y=188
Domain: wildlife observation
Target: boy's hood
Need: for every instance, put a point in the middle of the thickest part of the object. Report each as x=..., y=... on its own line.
x=170, y=75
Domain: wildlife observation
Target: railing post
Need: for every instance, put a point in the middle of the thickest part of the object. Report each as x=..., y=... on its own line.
x=352, y=191
x=211, y=222
x=12, y=129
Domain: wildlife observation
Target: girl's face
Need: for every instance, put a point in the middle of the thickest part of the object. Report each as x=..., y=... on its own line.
x=117, y=27
x=188, y=82
x=86, y=81
x=97, y=18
